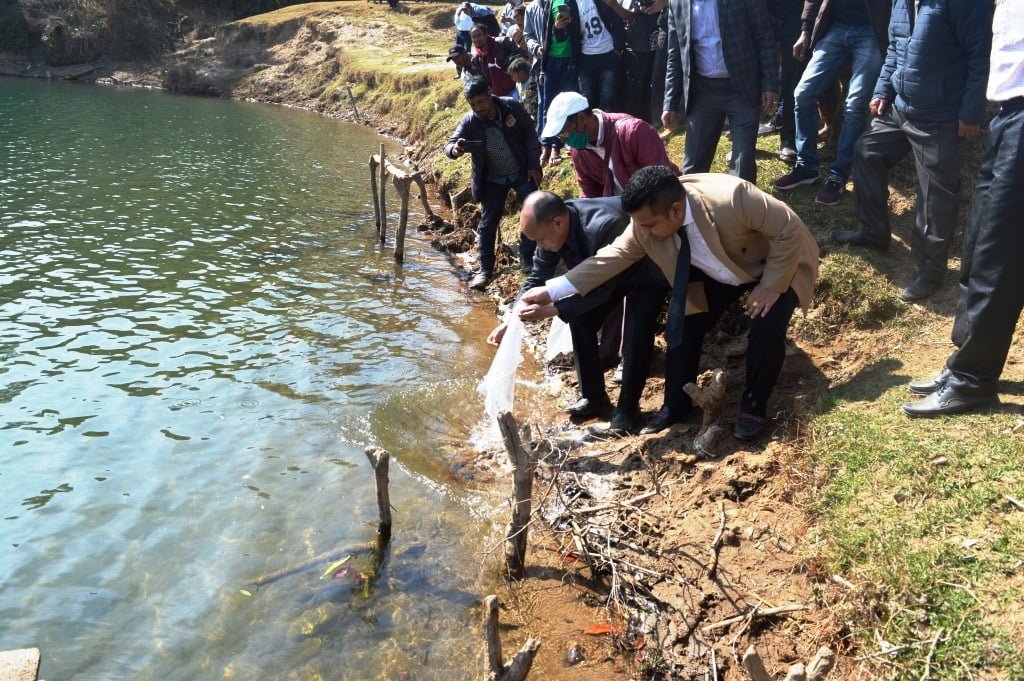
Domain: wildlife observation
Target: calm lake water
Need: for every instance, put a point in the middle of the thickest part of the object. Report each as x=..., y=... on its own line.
x=200, y=336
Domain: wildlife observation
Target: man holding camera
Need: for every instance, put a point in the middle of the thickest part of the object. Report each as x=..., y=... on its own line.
x=500, y=137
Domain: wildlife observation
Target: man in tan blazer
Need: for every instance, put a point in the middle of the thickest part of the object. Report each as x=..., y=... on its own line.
x=738, y=242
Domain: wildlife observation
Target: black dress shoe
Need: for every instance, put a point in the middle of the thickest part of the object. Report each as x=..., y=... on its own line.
x=930, y=385
x=748, y=427
x=858, y=237
x=622, y=423
x=921, y=288
x=663, y=418
x=946, y=400
x=588, y=409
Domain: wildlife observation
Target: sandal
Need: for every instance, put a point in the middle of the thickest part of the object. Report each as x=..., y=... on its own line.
x=556, y=158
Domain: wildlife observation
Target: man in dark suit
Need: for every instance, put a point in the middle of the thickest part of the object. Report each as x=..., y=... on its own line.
x=718, y=239
x=570, y=232
x=721, y=64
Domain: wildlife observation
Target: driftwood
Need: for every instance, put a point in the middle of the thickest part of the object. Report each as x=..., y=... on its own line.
x=522, y=473
x=519, y=666
x=754, y=614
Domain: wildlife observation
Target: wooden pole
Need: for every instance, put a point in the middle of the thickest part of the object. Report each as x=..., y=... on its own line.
x=380, y=461
x=403, y=219
x=376, y=196
x=383, y=204
x=495, y=663
x=519, y=666
x=418, y=178
x=352, y=98
x=522, y=473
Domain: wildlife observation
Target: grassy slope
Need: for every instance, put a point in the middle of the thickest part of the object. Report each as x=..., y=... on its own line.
x=929, y=547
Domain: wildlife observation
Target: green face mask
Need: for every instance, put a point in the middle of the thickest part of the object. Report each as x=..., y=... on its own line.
x=578, y=140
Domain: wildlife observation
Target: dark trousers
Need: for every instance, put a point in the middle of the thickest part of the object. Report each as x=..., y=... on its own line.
x=558, y=76
x=643, y=304
x=785, y=17
x=712, y=100
x=462, y=38
x=636, y=91
x=766, y=347
x=492, y=207
x=938, y=155
x=991, y=291
x=599, y=80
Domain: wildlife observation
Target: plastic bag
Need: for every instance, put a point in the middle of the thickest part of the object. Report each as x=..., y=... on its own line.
x=499, y=385
x=559, y=339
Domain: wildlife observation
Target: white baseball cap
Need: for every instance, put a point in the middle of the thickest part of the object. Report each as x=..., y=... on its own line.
x=564, y=105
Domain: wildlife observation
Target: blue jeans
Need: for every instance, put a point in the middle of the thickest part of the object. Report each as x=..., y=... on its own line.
x=559, y=76
x=840, y=46
x=492, y=207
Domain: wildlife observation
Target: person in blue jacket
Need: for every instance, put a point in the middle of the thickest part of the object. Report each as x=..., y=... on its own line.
x=929, y=100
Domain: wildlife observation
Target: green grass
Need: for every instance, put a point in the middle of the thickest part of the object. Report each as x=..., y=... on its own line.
x=916, y=512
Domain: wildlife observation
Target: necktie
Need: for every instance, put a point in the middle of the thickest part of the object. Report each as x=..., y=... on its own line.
x=680, y=284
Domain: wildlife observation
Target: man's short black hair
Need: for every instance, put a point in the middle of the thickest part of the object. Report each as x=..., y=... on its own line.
x=655, y=187
x=483, y=29
x=546, y=206
x=477, y=86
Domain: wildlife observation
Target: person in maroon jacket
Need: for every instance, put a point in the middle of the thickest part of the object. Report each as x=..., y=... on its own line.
x=606, y=148
x=495, y=54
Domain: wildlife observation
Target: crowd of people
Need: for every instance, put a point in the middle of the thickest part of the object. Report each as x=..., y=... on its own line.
x=593, y=78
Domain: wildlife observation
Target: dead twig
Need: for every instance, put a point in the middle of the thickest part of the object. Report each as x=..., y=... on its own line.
x=716, y=543
x=931, y=653
x=756, y=613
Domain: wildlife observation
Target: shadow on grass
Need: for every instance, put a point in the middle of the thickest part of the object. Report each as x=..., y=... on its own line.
x=870, y=383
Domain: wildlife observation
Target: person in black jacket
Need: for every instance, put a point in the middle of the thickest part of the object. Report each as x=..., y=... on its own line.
x=929, y=100
x=569, y=232
x=501, y=139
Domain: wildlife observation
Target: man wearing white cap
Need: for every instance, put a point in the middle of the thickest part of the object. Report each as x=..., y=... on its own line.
x=606, y=148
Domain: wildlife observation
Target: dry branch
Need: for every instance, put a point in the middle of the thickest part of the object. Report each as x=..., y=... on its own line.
x=716, y=543
x=352, y=550
x=754, y=614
